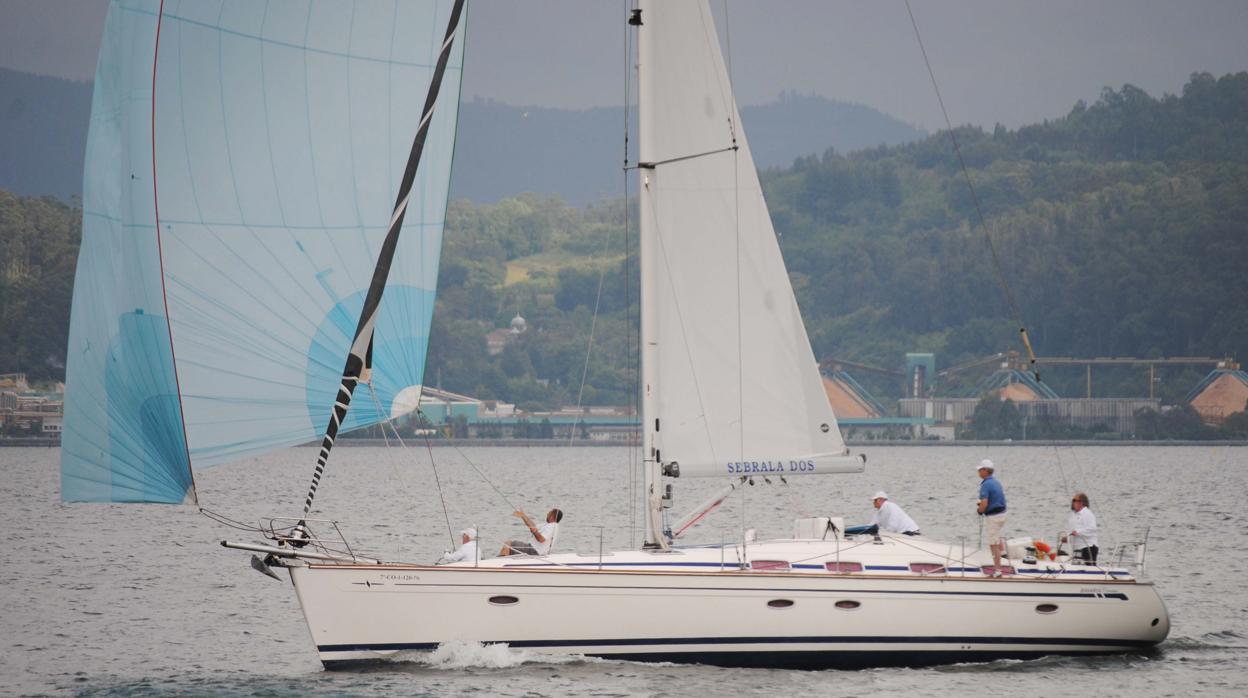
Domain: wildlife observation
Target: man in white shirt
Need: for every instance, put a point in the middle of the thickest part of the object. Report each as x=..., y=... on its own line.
x=1081, y=529
x=543, y=537
x=466, y=551
x=890, y=517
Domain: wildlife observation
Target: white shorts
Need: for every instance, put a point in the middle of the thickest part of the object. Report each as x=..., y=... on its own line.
x=996, y=524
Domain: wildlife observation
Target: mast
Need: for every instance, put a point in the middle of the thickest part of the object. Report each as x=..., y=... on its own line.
x=359, y=359
x=651, y=441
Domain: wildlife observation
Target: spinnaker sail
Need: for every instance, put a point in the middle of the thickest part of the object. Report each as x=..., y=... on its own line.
x=242, y=166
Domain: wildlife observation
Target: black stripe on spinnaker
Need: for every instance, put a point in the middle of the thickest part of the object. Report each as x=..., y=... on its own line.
x=357, y=356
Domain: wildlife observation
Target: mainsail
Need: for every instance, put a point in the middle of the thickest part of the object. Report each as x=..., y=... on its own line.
x=731, y=384
x=242, y=166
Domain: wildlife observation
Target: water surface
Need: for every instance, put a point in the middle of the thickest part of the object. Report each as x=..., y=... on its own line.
x=142, y=600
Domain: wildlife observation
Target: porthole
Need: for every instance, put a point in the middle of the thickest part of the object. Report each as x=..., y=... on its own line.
x=1046, y=608
x=779, y=603
x=503, y=600
x=847, y=605
x=1155, y=622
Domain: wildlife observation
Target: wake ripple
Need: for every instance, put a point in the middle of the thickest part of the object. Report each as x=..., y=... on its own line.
x=1217, y=640
x=475, y=655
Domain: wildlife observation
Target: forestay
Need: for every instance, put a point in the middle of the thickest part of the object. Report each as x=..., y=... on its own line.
x=731, y=383
x=266, y=140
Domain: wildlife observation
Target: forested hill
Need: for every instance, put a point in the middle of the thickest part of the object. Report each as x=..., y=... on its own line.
x=501, y=151
x=1122, y=229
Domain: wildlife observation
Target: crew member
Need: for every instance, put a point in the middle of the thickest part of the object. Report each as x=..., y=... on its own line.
x=466, y=551
x=543, y=537
x=1081, y=529
x=992, y=507
x=890, y=517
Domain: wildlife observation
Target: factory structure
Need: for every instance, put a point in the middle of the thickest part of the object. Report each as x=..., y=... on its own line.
x=924, y=412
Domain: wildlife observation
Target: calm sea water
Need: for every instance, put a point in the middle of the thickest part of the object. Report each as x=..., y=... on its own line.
x=141, y=600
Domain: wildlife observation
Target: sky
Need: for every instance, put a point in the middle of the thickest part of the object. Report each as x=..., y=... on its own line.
x=996, y=61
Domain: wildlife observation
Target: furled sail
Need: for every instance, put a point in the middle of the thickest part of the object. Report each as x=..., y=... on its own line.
x=242, y=165
x=731, y=383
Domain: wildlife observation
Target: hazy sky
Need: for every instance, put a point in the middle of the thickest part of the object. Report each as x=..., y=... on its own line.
x=1004, y=61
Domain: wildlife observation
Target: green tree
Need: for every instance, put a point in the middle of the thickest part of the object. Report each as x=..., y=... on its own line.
x=995, y=418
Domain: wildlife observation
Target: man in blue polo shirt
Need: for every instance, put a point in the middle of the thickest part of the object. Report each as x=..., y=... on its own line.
x=992, y=508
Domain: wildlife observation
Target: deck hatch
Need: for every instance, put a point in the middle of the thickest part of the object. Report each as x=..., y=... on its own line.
x=927, y=568
x=844, y=567
x=770, y=565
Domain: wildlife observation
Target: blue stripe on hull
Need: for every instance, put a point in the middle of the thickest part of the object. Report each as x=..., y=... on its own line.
x=891, y=592
x=843, y=639
x=844, y=660
x=868, y=568
x=792, y=658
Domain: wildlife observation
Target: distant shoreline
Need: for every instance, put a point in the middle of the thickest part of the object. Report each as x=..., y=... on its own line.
x=40, y=442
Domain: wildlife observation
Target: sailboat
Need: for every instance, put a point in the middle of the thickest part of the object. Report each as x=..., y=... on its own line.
x=730, y=386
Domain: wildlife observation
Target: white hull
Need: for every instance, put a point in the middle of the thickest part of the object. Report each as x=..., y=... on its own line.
x=368, y=612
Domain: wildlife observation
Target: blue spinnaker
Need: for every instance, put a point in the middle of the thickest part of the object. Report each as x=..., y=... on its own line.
x=267, y=140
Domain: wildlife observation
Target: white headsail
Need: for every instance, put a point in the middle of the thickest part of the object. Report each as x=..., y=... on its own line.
x=731, y=384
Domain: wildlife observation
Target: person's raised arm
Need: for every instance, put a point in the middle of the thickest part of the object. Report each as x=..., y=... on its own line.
x=532, y=527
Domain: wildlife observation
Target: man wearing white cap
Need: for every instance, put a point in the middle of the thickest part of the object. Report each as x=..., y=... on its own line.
x=992, y=508
x=890, y=517
x=466, y=551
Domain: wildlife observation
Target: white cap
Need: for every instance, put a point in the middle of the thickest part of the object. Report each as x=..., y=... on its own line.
x=879, y=495
x=470, y=532
x=985, y=463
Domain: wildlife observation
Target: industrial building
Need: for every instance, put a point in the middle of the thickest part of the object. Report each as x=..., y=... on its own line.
x=922, y=414
x=1223, y=392
x=25, y=412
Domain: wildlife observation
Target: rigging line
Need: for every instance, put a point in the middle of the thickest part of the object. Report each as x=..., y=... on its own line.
x=358, y=364
x=1100, y=520
x=593, y=324
x=736, y=224
x=1061, y=470
x=475, y=469
x=630, y=382
x=384, y=419
x=438, y=483
x=681, y=158
x=732, y=92
x=996, y=261
x=1078, y=465
x=232, y=523
x=394, y=465
x=387, y=420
